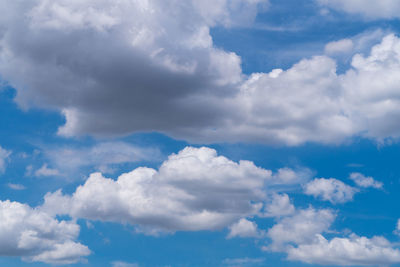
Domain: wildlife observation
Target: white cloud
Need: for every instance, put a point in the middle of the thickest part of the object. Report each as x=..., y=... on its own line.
x=36, y=236
x=244, y=228
x=103, y=156
x=371, y=9
x=4, y=156
x=299, y=228
x=46, y=171
x=300, y=236
x=279, y=205
x=337, y=47
x=200, y=94
x=331, y=190
x=288, y=176
x=365, y=181
x=122, y=47
x=16, y=186
x=193, y=190
x=352, y=251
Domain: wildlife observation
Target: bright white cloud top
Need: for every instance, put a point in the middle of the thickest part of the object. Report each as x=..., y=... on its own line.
x=36, y=236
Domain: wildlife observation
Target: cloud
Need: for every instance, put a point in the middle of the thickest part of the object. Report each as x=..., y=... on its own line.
x=279, y=205
x=332, y=190
x=241, y=262
x=370, y=9
x=200, y=93
x=244, y=228
x=352, y=251
x=4, y=156
x=124, y=264
x=46, y=171
x=193, y=190
x=337, y=47
x=299, y=228
x=111, y=53
x=16, y=186
x=300, y=236
x=364, y=181
x=102, y=156
x=36, y=236
x=112, y=75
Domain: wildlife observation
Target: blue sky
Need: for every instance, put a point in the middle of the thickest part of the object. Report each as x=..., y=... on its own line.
x=199, y=133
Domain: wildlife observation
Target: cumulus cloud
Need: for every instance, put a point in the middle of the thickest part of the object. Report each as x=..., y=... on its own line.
x=301, y=237
x=4, y=156
x=194, y=189
x=299, y=228
x=371, y=9
x=278, y=205
x=110, y=52
x=36, y=236
x=352, y=251
x=161, y=72
x=244, y=228
x=365, y=181
x=332, y=190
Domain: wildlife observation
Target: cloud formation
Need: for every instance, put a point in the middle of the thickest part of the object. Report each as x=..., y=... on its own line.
x=193, y=190
x=36, y=236
x=351, y=251
x=332, y=190
x=365, y=181
x=152, y=73
x=301, y=237
x=244, y=228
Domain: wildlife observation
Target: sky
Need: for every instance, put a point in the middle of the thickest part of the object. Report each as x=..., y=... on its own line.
x=228, y=133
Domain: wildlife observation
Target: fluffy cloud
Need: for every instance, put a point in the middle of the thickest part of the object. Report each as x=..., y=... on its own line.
x=193, y=190
x=137, y=65
x=383, y=9
x=300, y=236
x=278, y=205
x=161, y=72
x=36, y=236
x=352, y=251
x=244, y=228
x=4, y=155
x=365, y=181
x=338, y=47
x=300, y=228
x=331, y=190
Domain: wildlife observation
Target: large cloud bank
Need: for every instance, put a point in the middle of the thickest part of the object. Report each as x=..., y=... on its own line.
x=118, y=67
